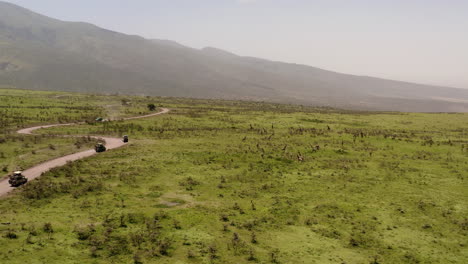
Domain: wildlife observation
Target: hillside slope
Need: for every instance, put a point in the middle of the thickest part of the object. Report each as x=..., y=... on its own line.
x=42, y=53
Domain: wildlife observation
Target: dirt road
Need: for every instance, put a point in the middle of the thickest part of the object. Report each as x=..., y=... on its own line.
x=36, y=171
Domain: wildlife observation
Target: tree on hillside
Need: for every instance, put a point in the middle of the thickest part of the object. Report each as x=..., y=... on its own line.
x=151, y=107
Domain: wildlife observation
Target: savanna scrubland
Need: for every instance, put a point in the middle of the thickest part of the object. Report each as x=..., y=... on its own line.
x=220, y=181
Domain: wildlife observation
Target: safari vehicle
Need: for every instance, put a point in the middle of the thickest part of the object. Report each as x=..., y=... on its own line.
x=100, y=147
x=17, y=179
x=125, y=139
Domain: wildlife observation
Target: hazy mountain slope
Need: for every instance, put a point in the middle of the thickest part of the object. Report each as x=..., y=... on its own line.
x=38, y=52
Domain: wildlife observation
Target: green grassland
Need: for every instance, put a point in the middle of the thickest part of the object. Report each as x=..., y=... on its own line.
x=239, y=182
x=20, y=108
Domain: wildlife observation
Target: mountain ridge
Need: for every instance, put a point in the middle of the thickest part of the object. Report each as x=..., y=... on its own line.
x=37, y=52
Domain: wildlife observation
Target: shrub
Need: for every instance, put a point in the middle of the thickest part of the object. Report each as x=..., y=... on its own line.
x=151, y=107
x=48, y=228
x=118, y=245
x=84, y=233
x=164, y=246
x=11, y=234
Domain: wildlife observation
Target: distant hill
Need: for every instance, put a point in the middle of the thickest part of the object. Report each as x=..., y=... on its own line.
x=37, y=52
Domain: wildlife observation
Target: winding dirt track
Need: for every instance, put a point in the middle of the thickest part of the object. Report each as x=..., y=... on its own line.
x=36, y=171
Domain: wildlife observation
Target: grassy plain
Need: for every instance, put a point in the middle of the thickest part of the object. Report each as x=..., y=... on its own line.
x=240, y=182
x=21, y=108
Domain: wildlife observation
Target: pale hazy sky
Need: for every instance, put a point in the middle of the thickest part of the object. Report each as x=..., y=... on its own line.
x=422, y=41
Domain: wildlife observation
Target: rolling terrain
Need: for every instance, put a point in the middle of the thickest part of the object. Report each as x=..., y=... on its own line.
x=218, y=181
x=41, y=53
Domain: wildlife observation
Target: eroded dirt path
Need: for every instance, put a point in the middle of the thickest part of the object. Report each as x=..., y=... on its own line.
x=37, y=170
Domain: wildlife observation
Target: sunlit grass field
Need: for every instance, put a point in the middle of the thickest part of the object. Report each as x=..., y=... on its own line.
x=235, y=182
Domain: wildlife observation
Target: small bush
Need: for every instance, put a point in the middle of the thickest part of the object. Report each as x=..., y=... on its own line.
x=48, y=228
x=11, y=234
x=84, y=233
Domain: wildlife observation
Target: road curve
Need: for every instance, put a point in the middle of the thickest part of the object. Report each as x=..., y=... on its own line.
x=36, y=171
